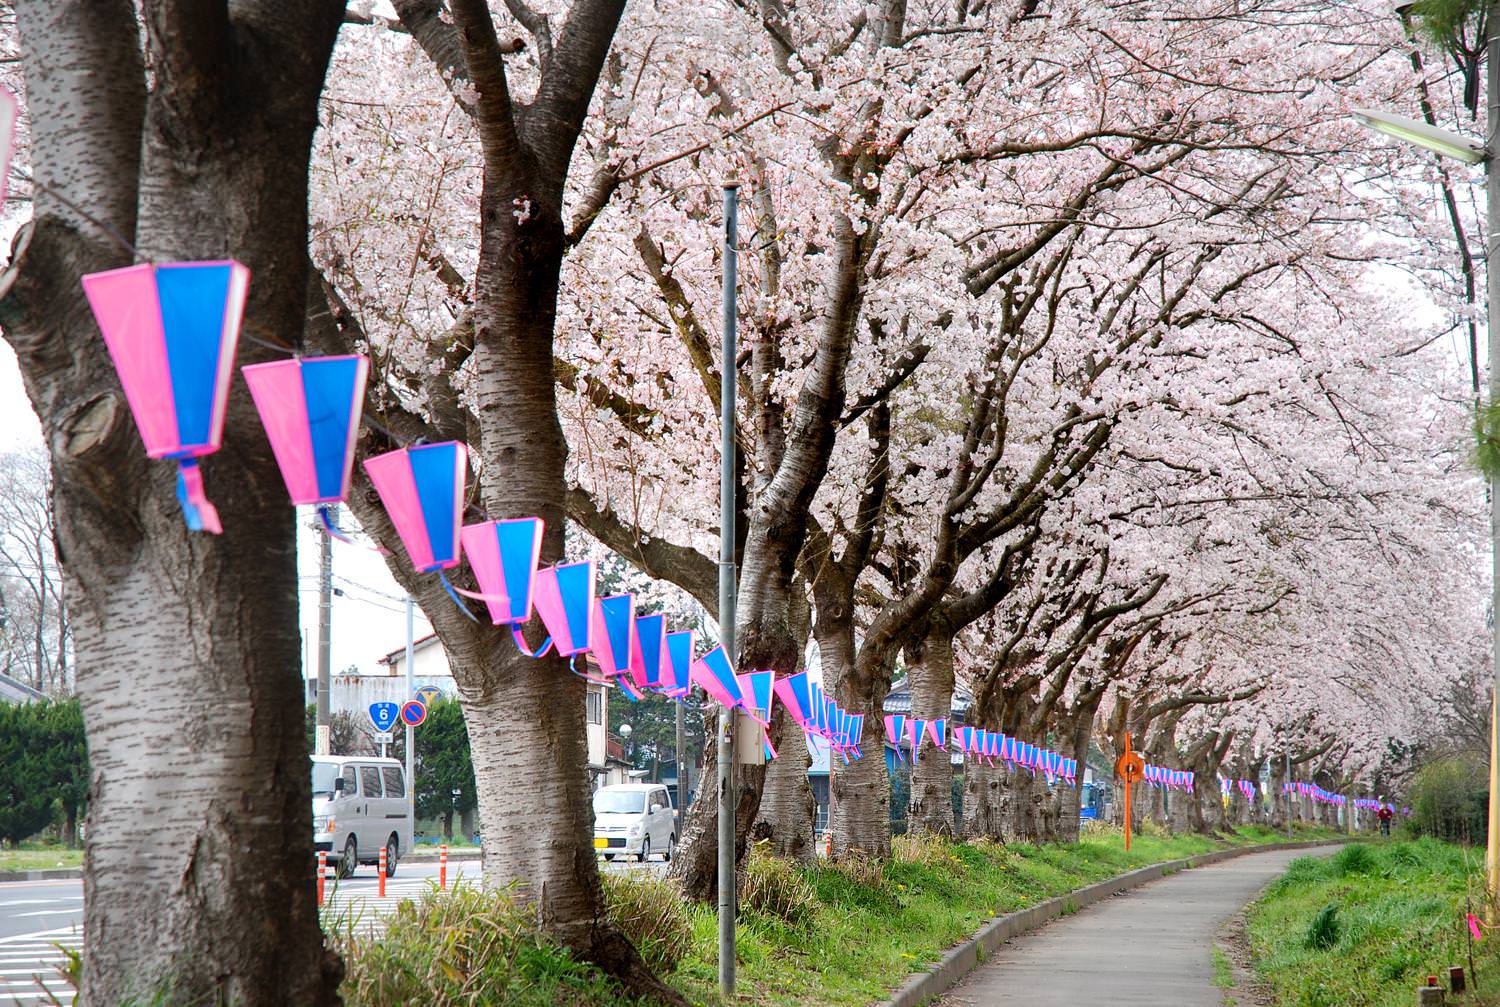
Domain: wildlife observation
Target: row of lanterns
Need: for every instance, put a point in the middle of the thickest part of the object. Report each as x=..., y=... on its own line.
x=978, y=744
x=172, y=331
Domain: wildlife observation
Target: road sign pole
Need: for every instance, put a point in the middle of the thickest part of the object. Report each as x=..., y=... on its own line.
x=411, y=776
x=728, y=376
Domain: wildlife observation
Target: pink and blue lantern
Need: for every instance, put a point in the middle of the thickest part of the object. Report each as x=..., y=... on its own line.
x=610, y=633
x=422, y=489
x=648, y=651
x=504, y=556
x=10, y=111
x=171, y=331
x=310, y=409
x=793, y=691
x=564, y=598
x=715, y=675
x=679, y=666
x=938, y=729
x=756, y=690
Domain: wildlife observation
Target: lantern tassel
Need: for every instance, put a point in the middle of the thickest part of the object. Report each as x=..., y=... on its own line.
x=453, y=593
x=200, y=514
x=326, y=519
x=515, y=634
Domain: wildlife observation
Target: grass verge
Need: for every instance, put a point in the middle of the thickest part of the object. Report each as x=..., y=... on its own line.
x=836, y=935
x=37, y=857
x=1365, y=927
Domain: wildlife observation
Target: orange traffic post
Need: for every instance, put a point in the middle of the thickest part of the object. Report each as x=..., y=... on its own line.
x=443, y=866
x=1130, y=768
x=382, y=872
x=322, y=873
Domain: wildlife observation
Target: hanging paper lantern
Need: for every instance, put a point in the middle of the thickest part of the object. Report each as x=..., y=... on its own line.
x=715, y=675
x=503, y=556
x=564, y=598
x=916, y=728
x=610, y=634
x=422, y=489
x=895, y=730
x=755, y=688
x=648, y=651
x=938, y=729
x=171, y=331
x=794, y=694
x=679, y=665
x=310, y=409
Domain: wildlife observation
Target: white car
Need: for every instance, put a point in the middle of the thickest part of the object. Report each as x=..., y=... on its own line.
x=359, y=804
x=634, y=819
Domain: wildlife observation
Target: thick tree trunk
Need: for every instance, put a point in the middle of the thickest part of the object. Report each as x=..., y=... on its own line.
x=787, y=808
x=198, y=860
x=930, y=675
x=1021, y=795
x=861, y=795
x=981, y=800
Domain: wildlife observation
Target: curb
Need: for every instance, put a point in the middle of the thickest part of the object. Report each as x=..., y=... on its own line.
x=956, y=963
x=50, y=874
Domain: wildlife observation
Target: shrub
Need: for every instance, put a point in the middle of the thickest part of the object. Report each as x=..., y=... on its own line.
x=462, y=947
x=1449, y=800
x=773, y=887
x=652, y=913
x=1356, y=858
x=1324, y=930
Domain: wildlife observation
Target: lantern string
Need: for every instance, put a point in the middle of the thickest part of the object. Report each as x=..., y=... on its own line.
x=326, y=518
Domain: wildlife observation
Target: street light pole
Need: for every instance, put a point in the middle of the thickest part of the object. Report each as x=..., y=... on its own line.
x=323, y=733
x=727, y=379
x=1492, y=333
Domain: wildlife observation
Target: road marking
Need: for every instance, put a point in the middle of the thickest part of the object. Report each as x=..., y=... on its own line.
x=34, y=959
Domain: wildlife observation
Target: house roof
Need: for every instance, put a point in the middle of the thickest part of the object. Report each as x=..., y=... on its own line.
x=13, y=690
x=400, y=652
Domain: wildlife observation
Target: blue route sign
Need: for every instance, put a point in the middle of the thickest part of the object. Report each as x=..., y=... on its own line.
x=413, y=712
x=383, y=715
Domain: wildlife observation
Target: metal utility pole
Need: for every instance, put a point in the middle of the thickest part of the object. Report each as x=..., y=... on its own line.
x=1492, y=332
x=727, y=380
x=411, y=778
x=682, y=774
x=322, y=741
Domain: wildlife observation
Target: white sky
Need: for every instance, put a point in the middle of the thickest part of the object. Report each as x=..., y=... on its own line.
x=368, y=620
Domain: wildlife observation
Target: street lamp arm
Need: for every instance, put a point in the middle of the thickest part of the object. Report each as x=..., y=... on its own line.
x=1433, y=138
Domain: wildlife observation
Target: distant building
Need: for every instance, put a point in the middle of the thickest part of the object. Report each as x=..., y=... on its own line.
x=355, y=693
x=13, y=690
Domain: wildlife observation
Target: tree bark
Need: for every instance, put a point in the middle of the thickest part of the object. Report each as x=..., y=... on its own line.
x=930, y=676
x=198, y=867
x=787, y=808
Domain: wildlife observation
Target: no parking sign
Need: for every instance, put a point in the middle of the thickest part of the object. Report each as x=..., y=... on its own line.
x=413, y=713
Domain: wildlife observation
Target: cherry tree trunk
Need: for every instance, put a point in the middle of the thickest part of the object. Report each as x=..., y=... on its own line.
x=981, y=800
x=198, y=880
x=930, y=675
x=1020, y=801
x=787, y=807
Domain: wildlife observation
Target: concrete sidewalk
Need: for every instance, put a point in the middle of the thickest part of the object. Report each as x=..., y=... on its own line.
x=1150, y=947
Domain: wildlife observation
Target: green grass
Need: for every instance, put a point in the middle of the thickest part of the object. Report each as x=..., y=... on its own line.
x=865, y=939
x=1399, y=912
x=869, y=926
x=1223, y=974
x=36, y=857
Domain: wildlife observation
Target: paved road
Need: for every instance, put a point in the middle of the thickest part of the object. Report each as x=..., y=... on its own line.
x=1151, y=947
x=40, y=918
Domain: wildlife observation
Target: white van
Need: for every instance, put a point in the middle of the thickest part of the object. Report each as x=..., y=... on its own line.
x=359, y=804
x=634, y=818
